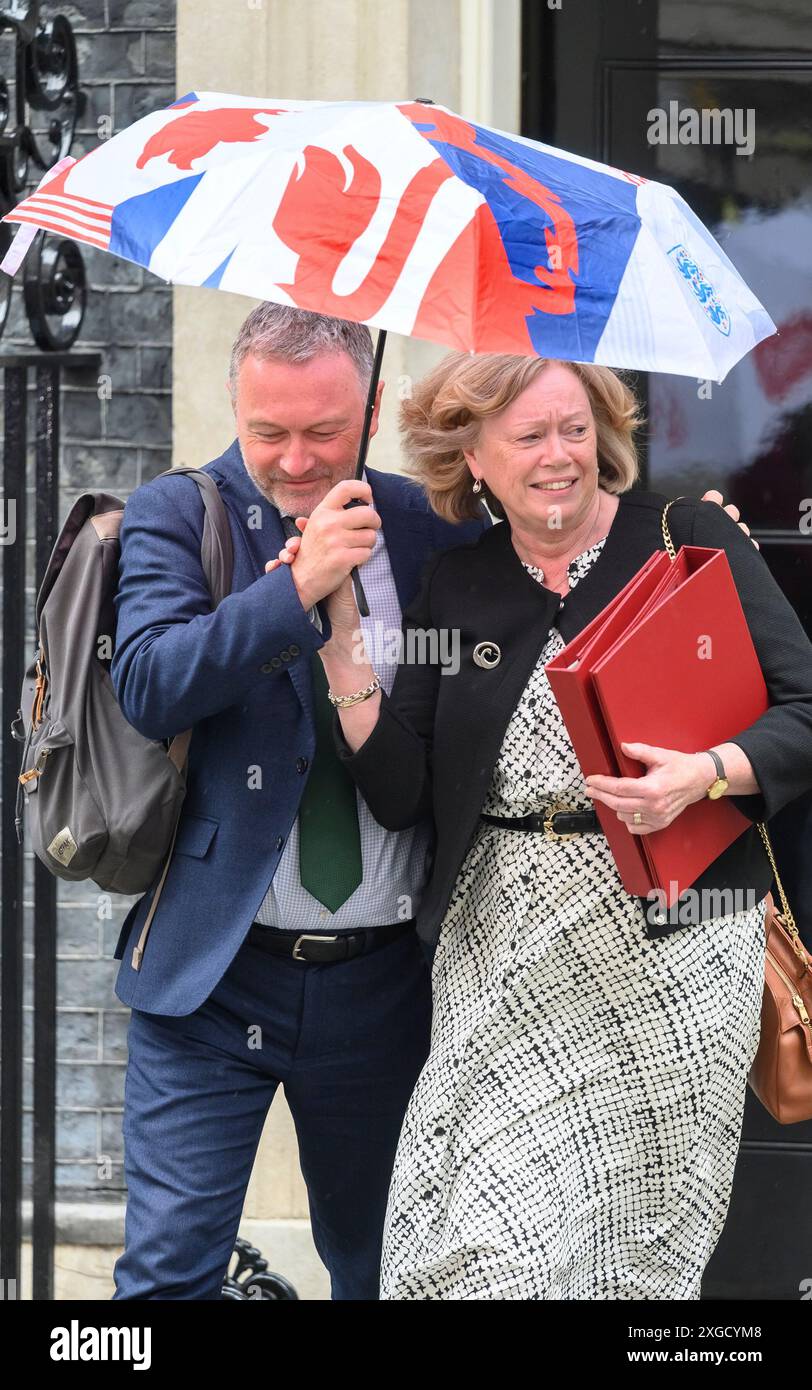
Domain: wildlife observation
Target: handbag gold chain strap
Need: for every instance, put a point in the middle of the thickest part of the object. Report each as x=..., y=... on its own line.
x=787, y=910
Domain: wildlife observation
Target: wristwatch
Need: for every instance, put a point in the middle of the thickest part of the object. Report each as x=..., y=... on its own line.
x=719, y=786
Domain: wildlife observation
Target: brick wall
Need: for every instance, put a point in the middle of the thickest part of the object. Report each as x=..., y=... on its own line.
x=116, y=433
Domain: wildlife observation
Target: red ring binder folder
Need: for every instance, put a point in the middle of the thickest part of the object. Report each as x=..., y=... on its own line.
x=670, y=662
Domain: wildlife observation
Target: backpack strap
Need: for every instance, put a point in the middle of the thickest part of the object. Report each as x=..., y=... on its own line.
x=217, y=559
x=179, y=748
x=138, y=949
x=216, y=545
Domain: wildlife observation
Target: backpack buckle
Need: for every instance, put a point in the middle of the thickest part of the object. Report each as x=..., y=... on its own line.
x=39, y=690
x=38, y=768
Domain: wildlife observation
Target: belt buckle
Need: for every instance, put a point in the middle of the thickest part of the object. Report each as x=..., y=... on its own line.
x=550, y=834
x=309, y=937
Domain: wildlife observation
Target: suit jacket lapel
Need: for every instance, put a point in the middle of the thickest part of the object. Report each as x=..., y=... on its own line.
x=263, y=533
x=507, y=607
x=258, y=519
x=513, y=610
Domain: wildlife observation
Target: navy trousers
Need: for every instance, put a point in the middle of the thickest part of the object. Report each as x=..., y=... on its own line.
x=346, y=1041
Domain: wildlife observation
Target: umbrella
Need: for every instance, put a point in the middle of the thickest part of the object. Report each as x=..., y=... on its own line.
x=406, y=217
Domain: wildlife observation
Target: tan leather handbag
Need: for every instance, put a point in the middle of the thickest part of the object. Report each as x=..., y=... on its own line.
x=781, y=1074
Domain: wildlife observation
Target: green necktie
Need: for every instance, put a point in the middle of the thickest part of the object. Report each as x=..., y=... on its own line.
x=329, y=839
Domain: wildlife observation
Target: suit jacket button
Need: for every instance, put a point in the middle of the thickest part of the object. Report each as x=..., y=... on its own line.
x=266, y=666
x=276, y=662
x=301, y=764
x=279, y=842
x=285, y=655
x=293, y=649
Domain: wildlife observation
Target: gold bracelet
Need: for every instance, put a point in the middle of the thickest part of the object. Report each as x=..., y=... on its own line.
x=343, y=701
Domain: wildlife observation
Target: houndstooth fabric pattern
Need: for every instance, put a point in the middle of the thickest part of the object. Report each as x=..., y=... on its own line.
x=574, y=1131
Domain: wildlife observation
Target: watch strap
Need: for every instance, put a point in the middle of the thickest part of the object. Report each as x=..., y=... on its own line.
x=720, y=767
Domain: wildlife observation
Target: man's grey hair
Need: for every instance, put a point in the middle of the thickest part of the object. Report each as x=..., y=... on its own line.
x=297, y=335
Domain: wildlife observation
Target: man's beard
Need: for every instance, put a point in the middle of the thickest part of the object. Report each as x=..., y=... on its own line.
x=300, y=505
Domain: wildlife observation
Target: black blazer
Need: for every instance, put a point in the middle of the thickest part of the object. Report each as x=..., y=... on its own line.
x=433, y=749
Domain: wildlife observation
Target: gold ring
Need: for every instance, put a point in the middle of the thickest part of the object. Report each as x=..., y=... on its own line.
x=638, y=819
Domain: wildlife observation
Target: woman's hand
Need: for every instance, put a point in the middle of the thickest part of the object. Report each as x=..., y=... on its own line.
x=672, y=782
x=290, y=549
x=342, y=609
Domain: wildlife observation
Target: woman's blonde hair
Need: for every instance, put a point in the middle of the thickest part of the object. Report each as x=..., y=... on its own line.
x=444, y=414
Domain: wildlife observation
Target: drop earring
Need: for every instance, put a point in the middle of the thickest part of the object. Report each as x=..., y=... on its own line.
x=477, y=486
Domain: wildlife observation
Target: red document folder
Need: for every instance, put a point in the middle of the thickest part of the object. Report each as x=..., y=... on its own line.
x=670, y=661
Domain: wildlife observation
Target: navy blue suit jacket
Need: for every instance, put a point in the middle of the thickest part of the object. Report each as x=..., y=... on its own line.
x=177, y=665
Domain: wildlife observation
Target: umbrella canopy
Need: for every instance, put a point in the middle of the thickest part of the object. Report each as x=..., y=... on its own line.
x=406, y=217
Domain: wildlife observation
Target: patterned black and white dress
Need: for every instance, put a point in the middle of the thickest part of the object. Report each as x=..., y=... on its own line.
x=574, y=1131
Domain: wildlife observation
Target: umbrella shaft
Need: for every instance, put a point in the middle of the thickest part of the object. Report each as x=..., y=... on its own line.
x=371, y=394
x=360, y=596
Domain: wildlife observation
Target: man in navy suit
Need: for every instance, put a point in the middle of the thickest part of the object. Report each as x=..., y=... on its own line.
x=282, y=949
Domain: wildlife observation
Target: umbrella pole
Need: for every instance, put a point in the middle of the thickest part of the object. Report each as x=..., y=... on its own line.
x=360, y=596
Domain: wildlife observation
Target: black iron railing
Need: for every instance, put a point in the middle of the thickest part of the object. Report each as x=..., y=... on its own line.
x=19, y=646
x=39, y=109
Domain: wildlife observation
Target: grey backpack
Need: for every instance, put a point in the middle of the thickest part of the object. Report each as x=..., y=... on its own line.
x=101, y=801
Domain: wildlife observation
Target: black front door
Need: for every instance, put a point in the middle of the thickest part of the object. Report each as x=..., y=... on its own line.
x=716, y=100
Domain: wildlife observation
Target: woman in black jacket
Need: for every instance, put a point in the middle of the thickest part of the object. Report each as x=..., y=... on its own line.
x=574, y=1131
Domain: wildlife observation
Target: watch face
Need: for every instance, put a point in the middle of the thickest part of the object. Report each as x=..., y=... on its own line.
x=718, y=788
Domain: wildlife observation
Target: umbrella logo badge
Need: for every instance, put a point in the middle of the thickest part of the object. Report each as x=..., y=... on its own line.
x=701, y=288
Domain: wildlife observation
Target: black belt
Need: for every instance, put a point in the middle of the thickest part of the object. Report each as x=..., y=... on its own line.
x=554, y=825
x=323, y=947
